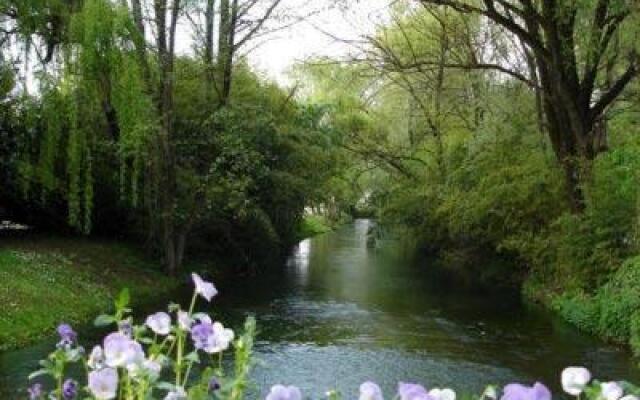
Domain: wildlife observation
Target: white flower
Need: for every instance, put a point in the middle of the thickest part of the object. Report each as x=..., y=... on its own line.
x=204, y=288
x=184, y=321
x=442, y=394
x=96, y=358
x=145, y=369
x=280, y=392
x=370, y=391
x=490, y=393
x=177, y=394
x=120, y=351
x=611, y=391
x=103, y=384
x=220, y=339
x=575, y=379
x=159, y=323
x=630, y=397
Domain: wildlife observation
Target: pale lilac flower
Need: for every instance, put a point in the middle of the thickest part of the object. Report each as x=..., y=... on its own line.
x=177, y=394
x=35, y=391
x=120, y=351
x=69, y=389
x=184, y=321
x=516, y=391
x=222, y=337
x=442, y=394
x=159, y=323
x=412, y=391
x=370, y=391
x=96, y=358
x=204, y=288
x=212, y=338
x=103, y=384
x=575, y=379
x=611, y=391
x=280, y=392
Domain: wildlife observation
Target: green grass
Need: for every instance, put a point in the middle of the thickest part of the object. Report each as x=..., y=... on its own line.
x=313, y=225
x=44, y=281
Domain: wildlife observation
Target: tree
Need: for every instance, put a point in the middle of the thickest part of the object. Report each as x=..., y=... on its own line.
x=569, y=42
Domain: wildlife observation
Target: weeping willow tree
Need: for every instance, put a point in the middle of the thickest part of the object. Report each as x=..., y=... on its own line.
x=94, y=105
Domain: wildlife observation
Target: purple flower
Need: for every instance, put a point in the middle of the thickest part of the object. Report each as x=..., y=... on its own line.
x=280, y=392
x=103, y=384
x=125, y=328
x=412, y=391
x=69, y=389
x=204, y=288
x=67, y=335
x=213, y=385
x=516, y=391
x=35, y=391
x=200, y=334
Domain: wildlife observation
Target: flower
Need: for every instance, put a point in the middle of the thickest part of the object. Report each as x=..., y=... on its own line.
x=370, y=391
x=35, y=391
x=280, y=392
x=67, y=335
x=159, y=323
x=630, y=397
x=213, y=385
x=575, y=379
x=212, y=338
x=96, y=358
x=125, y=327
x=490, y=393
x=144, y=369
x=611, y=391
x=119, y=350
x=103, y=384
x=204, y=288
x=442, y=394
x=184, y=320
x=200, y=334
x=222, y=338
x=177, y=394
x=69, y=389
x=516, y=391
x=412, y=391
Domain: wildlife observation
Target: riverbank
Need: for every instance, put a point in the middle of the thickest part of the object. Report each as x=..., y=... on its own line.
x=46, y=280
x=313, y=225
x=611, y=311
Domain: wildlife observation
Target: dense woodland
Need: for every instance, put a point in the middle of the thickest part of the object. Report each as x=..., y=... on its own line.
x=506, y=130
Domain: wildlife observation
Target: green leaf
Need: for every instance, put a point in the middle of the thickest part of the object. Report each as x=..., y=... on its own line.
x=123, y=299
x=38, y=373
x=104, y=320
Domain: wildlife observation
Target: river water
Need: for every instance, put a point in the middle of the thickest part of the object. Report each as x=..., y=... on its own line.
x=340, y=312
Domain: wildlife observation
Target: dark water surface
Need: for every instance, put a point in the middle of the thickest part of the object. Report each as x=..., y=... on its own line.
x=340, y=313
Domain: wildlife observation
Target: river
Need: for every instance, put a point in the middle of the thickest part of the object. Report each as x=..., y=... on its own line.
x=340, y=312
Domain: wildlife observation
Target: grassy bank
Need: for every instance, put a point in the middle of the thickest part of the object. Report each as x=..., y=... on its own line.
x=611, y=311
x=313, y=225
x=44, y=281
